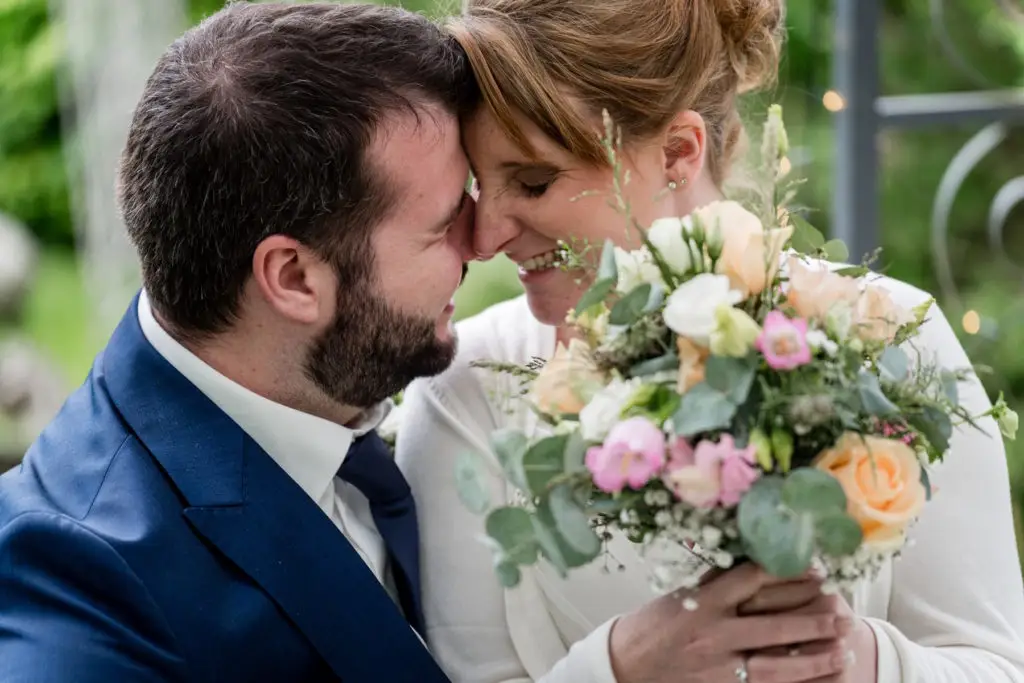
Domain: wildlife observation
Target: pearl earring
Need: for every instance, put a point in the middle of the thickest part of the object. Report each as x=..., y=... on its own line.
x=673, y=185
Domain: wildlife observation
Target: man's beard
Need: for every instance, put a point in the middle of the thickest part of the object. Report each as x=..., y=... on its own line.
x=371, y=351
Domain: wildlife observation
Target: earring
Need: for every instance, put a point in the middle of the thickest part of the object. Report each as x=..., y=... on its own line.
x=673, y=185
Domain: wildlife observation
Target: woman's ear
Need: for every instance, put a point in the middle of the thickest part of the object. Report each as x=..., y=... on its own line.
x=685, y=147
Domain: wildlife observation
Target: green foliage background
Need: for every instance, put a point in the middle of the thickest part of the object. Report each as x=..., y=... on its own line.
x=34, y=185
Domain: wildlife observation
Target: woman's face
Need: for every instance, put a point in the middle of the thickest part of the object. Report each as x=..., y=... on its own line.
x=526, y=206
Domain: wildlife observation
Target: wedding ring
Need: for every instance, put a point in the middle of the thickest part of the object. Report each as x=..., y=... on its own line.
x=741, y=673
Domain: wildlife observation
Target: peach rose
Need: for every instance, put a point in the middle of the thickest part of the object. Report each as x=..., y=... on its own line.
x=877, y=317
x=691, y=364
x=882, y=481
x=566, y=382
x=750, y=254
x=812, y=292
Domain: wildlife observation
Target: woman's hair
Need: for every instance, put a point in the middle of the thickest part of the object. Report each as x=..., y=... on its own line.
x=642, y=61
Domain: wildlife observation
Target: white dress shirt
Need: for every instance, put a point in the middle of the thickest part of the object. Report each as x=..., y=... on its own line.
x=308, y=448
x=950, y=610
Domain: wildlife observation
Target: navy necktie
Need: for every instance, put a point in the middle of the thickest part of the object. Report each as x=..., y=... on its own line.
x=371, y=469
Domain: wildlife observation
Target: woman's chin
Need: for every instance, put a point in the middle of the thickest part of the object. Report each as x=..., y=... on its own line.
x=550, y=305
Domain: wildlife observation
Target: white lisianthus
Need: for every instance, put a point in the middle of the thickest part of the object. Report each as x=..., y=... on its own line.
x=690, y=310
x=819, y=341
x=666, y=234
x=605, y=408
x=636, y=268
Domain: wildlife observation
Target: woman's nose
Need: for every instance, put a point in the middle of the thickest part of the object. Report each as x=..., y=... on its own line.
x=493, y=230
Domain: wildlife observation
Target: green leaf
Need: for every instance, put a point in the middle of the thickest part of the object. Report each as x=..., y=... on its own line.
x=543, y=462
x=703, y=409
x=806, y=238
x=508, y=573
x=575, y=453
x=608, y=270
x=513, y=530
x=935, y=425
x=509, y=446
x=871, y=396
x=572, y=523
x=926, y=481
x=853, y=271
x=656, y=298
x=732, y=376
x=549, y=545
x=664, y=363
x=836, y=251
x=894, y=364
x=630, y=308
x=809, y=490
x=950, y=387
x=780, y=540
x=838, y=534
x=569, y=556
x=469, y=483
x=597, y=293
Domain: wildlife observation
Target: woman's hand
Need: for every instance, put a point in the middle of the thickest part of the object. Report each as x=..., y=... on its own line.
x=664, y=642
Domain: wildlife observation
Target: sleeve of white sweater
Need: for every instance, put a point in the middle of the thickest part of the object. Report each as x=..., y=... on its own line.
x=957, y=609
x=464, y=605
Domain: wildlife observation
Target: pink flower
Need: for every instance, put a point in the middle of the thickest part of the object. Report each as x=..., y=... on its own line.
x=894, y=430
x=633, y=453
x=784, y=342
x=713, y=473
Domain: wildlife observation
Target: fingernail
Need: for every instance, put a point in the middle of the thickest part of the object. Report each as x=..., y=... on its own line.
x=844, y=625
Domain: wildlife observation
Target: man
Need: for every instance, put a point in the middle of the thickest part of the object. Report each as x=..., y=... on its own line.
x=213, y=504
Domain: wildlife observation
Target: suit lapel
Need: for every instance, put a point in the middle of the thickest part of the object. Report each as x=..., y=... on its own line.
x=252, y=512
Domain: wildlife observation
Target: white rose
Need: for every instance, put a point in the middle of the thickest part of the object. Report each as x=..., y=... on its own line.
x=690, y=310
x=600, y=415
x=819, y=341
x=636, y=268
x=666, y=234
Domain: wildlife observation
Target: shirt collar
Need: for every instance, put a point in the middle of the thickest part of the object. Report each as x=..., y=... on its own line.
x=308, y=448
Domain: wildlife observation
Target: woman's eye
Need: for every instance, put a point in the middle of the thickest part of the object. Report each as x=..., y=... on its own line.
x=535, y=189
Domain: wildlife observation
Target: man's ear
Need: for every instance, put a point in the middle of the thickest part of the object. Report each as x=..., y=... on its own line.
x=292, y=279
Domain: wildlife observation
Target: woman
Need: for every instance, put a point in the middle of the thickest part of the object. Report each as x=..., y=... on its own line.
x=951, y=610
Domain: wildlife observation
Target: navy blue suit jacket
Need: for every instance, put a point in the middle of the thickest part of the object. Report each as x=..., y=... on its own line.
x=146, y=537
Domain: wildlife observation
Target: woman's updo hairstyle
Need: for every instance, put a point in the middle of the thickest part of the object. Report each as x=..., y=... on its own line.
x=641, y=60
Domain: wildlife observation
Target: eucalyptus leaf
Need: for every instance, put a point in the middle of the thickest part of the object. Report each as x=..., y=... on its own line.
x=935, y=425
x=549, y=545
x=780, y=540
x=569, y=556
x=656, y=298
x=810, y=490
x=508, y=573
x=926, y=482
x=872, y=398
x=469, y=483
x=838, y=534
x=572, y=523
x=836, y=251
x=950, y=387
x=608, y=270
x=513, y=530
x=806, y=238
x=702, y=409
x=732, y=376
x=664, y=363
x=630, y=308
x=575, y=453
x=894, y=364
x=543, y=462
x=597, y=293
x=509, y=446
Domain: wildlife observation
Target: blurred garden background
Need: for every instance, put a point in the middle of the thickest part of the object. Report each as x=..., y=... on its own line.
x=62, y=288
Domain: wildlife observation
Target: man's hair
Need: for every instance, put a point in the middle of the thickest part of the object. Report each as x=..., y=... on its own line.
x=257, y=122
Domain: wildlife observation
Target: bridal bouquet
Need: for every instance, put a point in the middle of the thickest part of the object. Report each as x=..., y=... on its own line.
x=728, y=391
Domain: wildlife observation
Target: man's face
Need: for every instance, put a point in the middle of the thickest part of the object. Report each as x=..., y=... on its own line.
x=398, y=325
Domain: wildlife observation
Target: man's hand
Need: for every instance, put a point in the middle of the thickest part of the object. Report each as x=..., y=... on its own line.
x=663, y=642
